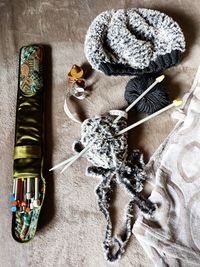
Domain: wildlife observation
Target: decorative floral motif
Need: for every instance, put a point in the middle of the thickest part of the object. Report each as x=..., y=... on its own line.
x=31, y=70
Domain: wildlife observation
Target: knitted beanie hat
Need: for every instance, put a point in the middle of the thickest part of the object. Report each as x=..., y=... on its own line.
x=133, y=41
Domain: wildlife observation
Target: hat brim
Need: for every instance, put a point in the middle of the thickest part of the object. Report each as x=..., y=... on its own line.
x=161, y=63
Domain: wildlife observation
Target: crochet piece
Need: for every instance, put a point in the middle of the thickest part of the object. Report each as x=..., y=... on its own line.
x=171, y=237
x=133, y=41
x=109, y=155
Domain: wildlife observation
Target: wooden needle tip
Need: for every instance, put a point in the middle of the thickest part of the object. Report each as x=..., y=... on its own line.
x=177, y=102
x=160, y=78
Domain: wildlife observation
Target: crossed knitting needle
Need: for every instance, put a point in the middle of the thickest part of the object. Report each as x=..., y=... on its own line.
x=177, y=102
x=157, y=80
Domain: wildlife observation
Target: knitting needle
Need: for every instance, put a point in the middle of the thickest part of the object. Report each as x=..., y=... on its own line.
x=24, y=202
x=18, y=190
x=158, y=80
x=28, y=193
x=78, y=156
x=62, y=163
x=175, y=103
x=12, y=197
x=32, y=193
x=15, y=202
x=20, y=195
x=15, y=186
x=36, y=202
x=71, y=160
x=31, y=203
x=25, y=188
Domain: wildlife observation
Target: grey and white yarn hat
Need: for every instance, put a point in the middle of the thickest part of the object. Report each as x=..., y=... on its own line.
x=133, y=41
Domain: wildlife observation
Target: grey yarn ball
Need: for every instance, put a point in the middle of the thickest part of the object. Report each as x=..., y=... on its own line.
x=154, y=100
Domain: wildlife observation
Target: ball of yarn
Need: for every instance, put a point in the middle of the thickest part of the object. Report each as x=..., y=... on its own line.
x=108, y=150
x=154, y=100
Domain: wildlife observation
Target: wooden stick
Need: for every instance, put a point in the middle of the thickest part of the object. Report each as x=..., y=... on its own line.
x=158, y=80
x=175, y=103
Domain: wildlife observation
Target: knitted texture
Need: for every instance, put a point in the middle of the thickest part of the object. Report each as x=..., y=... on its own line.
x=154, y=100
x=109, y=153
x=107, y=150
x=133, y=41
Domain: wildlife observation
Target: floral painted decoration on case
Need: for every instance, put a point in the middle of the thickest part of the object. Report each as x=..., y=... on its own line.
x=31, y=70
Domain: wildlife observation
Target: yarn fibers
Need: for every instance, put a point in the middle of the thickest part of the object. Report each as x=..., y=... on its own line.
x=153, y=101
x=133, y=41
x=111, y=162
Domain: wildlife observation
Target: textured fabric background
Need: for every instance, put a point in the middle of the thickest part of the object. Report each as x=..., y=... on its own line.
x=172, y=237
x=71, y=228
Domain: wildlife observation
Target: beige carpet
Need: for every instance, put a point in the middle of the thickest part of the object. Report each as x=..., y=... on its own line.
x=71, y=228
